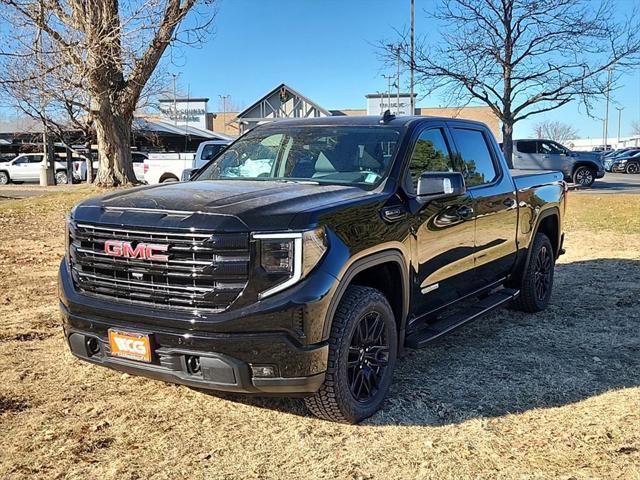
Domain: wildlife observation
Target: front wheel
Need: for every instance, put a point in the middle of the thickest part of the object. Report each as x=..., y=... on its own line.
x=537, y=279
x=4, y=178
x=632, y=167
x=584, y=176
x=363, y=346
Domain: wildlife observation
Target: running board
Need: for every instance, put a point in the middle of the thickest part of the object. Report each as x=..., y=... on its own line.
x=421, y=337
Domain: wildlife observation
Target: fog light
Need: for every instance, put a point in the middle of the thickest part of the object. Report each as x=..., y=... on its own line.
x=263, y=370
x=93, y=346
x=193, y=364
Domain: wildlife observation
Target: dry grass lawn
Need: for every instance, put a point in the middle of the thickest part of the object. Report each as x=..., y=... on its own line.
x=554, y=395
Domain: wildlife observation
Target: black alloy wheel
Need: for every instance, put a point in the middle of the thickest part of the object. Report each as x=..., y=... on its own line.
x=536, y=284
x=363, y=346
x=542, y=272
x=368, y=357
x=633, y=167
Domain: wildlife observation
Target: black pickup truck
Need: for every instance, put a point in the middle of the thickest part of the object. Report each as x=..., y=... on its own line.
x=306, y=257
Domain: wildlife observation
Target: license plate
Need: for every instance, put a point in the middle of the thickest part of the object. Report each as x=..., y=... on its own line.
x=133, y=346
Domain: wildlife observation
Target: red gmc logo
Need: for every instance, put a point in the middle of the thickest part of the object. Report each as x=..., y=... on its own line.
x=145, y=251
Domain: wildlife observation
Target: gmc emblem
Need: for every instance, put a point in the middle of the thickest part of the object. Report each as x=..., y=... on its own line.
x=145, y=251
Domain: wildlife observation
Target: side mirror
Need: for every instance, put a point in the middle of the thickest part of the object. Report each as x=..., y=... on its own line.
x=438, y=185
x=188, y=174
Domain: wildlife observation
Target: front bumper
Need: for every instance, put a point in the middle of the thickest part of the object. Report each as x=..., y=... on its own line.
x=227, y=358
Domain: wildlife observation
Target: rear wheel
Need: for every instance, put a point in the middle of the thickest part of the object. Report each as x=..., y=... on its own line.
x=537, y=280
x=61, y=178
x=632, y=167
x=584, y=176
x=4, y=178
x=362, y=354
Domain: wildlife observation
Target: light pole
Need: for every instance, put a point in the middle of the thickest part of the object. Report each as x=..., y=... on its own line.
x=606, y=111
x=619, y=122
x=175, y=102
x=224, y=111
x=411, y=100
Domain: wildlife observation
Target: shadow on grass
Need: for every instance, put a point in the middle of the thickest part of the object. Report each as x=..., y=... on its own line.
x=586, y=343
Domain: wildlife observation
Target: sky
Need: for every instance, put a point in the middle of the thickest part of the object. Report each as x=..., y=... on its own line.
x=326, y=49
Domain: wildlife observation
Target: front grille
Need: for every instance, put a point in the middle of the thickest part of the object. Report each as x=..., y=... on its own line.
x=203, y=271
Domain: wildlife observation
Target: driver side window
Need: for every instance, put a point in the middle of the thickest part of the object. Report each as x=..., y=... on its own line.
x=430, y=154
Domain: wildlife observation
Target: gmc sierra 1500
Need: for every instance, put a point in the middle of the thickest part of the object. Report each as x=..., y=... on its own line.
x=304, y=258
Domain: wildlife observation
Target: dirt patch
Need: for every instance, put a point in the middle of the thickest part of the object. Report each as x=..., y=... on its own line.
x=553, y=395
x=12, y=404
x=25, y=337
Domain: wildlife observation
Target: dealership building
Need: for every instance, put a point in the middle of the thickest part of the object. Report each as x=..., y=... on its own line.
x=286, y=102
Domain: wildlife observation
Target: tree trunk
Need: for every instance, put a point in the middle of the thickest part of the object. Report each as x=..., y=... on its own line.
x=507, y=141
x=113, y=132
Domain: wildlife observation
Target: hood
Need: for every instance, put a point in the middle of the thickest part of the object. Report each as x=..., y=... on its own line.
x=225, y=204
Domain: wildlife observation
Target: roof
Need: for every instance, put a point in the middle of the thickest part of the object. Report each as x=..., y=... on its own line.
x=161, y=126
x=385, y=95
x=184, y=99
x=364, y=120
x=276, y=90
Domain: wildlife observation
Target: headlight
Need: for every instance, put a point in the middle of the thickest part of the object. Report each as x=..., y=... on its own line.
x=286, y=258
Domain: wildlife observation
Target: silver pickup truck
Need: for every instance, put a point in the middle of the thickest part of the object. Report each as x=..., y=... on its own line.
x=581, y=168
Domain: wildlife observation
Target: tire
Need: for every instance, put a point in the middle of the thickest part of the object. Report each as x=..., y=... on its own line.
x=363, y=312
x=584, y=176
x=632, y=167
x=61, y=178
x=4, y=178
x=169, y=179
x=537, y=280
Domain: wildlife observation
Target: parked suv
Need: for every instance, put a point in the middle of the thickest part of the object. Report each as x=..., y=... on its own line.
x=26, y=168
x=305, y=257
x=581, y=168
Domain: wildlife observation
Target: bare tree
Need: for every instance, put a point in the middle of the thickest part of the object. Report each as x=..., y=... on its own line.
x=109, y=50
x=524, y=57
x=635, y=128
x=554, y=130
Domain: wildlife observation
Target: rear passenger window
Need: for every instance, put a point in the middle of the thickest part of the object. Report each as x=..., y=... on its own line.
x=474, y=150
x=430, y=154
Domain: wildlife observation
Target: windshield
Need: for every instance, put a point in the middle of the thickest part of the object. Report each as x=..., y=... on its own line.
x=344, y=155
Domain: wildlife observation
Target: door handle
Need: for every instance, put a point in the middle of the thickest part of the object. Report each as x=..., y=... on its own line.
x=393, y=214
x=464, y=211
x=509, y=202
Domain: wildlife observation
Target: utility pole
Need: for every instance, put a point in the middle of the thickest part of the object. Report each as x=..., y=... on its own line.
x=619, y=122
x=389, y=78
x=606, y=111
x=412, y=47
x=397, y=48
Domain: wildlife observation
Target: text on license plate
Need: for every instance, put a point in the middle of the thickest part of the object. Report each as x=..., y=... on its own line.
x=130, y=345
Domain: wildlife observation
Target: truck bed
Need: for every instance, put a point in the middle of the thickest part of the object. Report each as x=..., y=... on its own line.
x=525, y=179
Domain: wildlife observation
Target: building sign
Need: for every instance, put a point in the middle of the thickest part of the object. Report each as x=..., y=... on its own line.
x=377, y=104
x=183, y=111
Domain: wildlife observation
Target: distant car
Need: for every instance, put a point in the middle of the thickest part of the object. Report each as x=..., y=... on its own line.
x=581, y=168
x=138, y=158
x=628, y=162
x=26, y=168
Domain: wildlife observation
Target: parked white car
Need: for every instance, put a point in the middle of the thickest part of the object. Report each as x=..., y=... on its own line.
x=80, y=167
x=26, y=168
x=170, y=167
